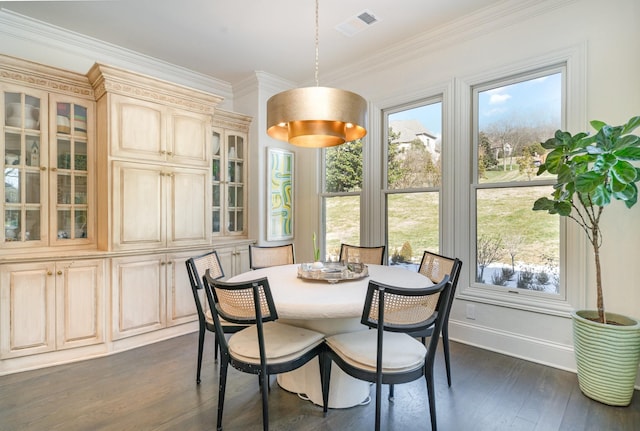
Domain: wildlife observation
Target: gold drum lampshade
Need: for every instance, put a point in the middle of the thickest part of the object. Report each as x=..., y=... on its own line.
x=316, y=117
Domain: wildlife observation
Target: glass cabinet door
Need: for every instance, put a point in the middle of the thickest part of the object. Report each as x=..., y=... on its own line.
x=24, y=174
x=216, y=183
x=235, y=183
x=70, y=173
x=228, y=179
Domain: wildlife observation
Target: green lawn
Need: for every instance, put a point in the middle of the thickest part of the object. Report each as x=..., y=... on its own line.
x=503, y=214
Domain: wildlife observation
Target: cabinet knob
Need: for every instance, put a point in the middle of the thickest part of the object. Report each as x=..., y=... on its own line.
x=59, y=272
x=169, y=263
x=49, y=273
x=54, y=169
x=43, y=168
x=162, y=264
x=169, y=153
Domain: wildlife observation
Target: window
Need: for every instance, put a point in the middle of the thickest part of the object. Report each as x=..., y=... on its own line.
x=412, y=181
x=515, y=248
x=341, y=197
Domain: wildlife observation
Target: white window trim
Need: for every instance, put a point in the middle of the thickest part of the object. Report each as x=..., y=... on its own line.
x=573, y=245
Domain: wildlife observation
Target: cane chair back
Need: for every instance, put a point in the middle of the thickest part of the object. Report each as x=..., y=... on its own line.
x=358, y=254
x=263, y=257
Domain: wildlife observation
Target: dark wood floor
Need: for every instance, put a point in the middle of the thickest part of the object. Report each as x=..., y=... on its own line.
x=153, y=388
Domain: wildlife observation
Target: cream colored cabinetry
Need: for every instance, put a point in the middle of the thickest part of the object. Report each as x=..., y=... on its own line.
x=159, y=206
x=234, y=258
x=229, y=169
x=49, y=306
x=48, y=156
x=153, y=132
x=155, y=139
x=150, y=292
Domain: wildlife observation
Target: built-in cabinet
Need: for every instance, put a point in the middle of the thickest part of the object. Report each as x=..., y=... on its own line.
x=112, y=181
x=229, y=170
x=49, y=306
x=48, y=156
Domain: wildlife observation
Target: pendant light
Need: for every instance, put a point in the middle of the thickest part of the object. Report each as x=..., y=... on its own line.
x=316, y=117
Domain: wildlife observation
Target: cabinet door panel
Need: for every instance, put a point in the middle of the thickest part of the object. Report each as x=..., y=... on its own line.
x=190, y=135
x=138, y=206
x=27, y=310
x=138, y=129
x=138, y=295
x=181, y=307
x=80, y=293
x=189, y=208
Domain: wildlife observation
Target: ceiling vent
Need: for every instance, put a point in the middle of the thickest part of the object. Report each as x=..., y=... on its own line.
x=357, y=23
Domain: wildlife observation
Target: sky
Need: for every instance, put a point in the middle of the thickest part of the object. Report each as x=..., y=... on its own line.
x=533, y=101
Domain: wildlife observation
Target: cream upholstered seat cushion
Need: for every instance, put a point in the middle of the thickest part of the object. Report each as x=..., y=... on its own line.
x=400, y=353
x=282, y=342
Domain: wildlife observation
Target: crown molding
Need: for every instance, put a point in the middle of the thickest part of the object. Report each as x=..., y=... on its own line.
x=90, y=50
x=499, y=15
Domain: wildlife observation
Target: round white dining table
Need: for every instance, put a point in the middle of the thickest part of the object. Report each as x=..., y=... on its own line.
x=330, y=308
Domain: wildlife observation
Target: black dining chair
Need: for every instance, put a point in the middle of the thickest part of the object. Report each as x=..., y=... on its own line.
x=361, y=254
x=436, y=267
x=267, y=346
x=196, y=268
x=389, y=354
x=265, y=256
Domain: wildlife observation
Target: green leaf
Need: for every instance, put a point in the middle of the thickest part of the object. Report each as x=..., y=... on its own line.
x=597, y=124
x=616, y=186
x=601, y=196
x=627, y=193
x=633, y=196
x=628, y=153
x=554, y=159
x=543, y=204
x=589, y=181
x=604, y=162
x=628, y=141
x=631, y=125
x=624, y=172
x=563, y=208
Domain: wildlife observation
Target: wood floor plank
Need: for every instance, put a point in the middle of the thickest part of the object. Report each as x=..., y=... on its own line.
x=153, y=388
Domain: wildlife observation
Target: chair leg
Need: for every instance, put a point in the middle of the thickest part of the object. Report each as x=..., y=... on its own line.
x=391, y=398
x=216, y=348
x=200, y=348
x=445, y=345
x=224, y=365
x=325, y=378
x=265, y=400
x=378, y=401
x=432, y=397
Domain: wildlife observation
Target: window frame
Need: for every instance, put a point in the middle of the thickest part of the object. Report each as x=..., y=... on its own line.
x=384, y=183
x=573, y=264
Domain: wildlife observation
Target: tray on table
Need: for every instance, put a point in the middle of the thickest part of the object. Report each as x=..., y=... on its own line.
x=333, y=272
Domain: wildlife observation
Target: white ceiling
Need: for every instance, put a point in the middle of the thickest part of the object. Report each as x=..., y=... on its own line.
x=229, y=39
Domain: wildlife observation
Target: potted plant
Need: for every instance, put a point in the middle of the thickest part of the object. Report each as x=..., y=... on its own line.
x=591, y=172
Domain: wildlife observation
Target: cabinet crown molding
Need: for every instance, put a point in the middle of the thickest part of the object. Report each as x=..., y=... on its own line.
x=231, y=120
x=109, y=79
x=47, y=78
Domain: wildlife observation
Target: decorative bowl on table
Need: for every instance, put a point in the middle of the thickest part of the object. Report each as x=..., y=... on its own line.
x=333, y=272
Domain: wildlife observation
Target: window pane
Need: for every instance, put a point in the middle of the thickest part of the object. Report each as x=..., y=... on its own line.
x=342, y=223
x=516, y=246
x=413, y=154
x=512, y=122
x=413, y=226
x=343, y=168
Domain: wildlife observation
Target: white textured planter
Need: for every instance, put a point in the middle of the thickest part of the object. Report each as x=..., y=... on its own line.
x=607, y=356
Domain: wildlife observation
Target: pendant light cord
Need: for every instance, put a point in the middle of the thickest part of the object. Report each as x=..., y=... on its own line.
x=317, y=44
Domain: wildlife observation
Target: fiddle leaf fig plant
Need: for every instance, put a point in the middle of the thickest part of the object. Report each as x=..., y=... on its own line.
x=592, y=171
